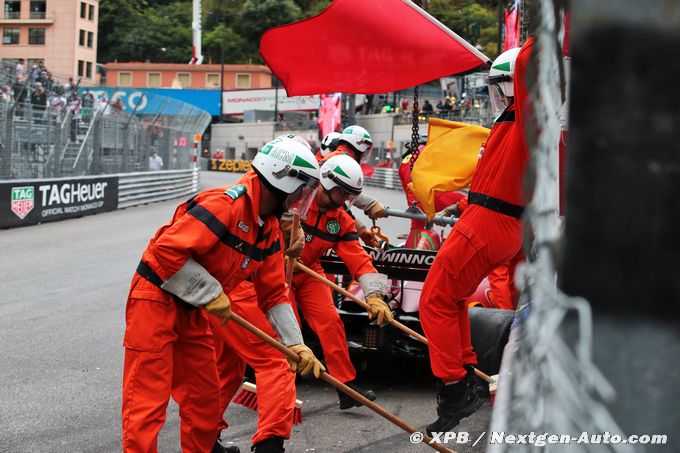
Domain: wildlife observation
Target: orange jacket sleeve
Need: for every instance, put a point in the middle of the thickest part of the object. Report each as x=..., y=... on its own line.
x=350, y=250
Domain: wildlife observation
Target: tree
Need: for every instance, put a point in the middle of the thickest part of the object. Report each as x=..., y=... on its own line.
x=259, y=15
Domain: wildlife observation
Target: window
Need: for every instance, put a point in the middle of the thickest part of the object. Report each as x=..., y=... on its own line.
x=81, y=68
x=212, y=80
x=12, y=9
x=88, y=70
x=36, y=36
x=90, y=12
x=124, y=79
x=10, y=36
x=242, y=80
x=81, y=38
x=90, y=39
x=153, y=79
x=184, y=79
x=83, y=10
x=38, y=9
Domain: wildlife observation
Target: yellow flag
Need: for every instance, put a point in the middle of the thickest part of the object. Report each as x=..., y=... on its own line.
x=448, y=160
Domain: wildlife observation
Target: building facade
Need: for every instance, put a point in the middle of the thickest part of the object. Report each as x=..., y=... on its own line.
x=187, y=76
x=61, y=33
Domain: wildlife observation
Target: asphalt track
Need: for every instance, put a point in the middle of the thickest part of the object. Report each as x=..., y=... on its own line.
x=62, y=302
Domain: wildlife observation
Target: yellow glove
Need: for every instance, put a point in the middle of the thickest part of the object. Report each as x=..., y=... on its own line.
x=378, y=308
x=295, y=249
x=376, y=211
x=308, y=362
x=220, y=307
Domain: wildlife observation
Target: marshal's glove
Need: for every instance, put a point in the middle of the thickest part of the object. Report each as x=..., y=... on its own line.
x=308, y=362
x=376, y=211
x=287, y=259
x=378, y=308
x=220, y=307
x=295, y=249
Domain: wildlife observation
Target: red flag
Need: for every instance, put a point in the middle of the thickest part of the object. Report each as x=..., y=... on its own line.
x=365, y=47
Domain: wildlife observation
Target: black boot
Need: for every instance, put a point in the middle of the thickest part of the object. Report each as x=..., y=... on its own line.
x=347, y=402
x=454, y=402
x=480, y=387
x=271, y=445
x=219, y=448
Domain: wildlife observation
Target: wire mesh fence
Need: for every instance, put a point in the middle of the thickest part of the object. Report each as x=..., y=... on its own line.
x=54, y=131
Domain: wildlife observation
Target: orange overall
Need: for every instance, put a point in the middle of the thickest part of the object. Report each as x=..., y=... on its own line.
x=168, y=344
x=334, y=229
x=235, y=347
x=482, y=239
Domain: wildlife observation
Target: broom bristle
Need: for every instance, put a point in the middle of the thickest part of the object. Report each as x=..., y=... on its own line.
x=297, y=416
x=247, y=397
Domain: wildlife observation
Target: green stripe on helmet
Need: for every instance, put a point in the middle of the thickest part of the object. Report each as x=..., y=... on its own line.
x=300, y=162
x=340, y=171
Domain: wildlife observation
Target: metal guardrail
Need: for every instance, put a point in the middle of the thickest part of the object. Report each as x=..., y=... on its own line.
x=387, y=178
x=148, y=187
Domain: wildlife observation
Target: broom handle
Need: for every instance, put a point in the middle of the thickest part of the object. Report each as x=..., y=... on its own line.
x=293, y=237
x=335, y=383
x=363, y=304
x=360, y=302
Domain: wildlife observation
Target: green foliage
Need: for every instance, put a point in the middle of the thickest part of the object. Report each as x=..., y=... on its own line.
x=139, y=30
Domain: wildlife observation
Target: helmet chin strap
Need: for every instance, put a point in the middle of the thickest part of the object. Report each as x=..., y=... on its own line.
x=279, y=194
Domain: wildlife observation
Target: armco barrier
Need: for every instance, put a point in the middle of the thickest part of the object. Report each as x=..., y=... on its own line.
x=26, y=202
x=148, y=187
x=387, y=178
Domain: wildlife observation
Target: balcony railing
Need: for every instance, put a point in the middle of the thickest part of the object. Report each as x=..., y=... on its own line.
x=38, y=15
x=12, y=14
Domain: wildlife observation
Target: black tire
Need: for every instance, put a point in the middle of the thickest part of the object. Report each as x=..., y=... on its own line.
x=489, y=329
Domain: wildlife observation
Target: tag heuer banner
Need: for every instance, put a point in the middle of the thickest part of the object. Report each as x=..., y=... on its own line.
x=27, y=202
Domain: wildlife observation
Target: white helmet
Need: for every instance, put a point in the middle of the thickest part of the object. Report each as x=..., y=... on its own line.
x=342, y=179
x=290, y=169
x=501, y=77
x=329, y=143
x=357, y=138
x=299, y=139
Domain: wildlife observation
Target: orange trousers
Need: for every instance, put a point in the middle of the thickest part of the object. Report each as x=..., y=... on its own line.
x=237, y=347
x=481, y=241
x=168, y=351
x=315, y=300
x=502, y=283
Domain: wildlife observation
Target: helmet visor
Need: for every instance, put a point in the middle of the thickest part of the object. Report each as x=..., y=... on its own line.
x=301, y=199
x=499, y=101
x=340, y=197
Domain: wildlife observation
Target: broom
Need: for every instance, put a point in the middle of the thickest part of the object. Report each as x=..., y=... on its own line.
x=425, y=440
x=247, y=398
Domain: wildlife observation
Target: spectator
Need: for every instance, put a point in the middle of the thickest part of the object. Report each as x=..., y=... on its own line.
x=5, y=94
x=218, y=154
x=39, y=102
x=427, y=108
x=57, y=104
x=155, y=161
x=20, y=71
x=74, y=114
x=87, y=105
x=35, y=74
x=404, y=105
x=19, y=90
